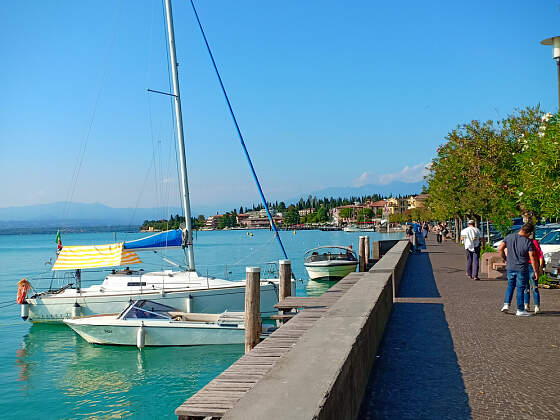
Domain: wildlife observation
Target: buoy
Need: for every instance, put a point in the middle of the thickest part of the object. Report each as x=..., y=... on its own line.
x=251, y=233
x=294, y=232
x=141, y=337
x=24, y=311
x=76, y=310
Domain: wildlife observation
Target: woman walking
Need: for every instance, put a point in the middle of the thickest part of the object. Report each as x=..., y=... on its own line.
x=533, y=283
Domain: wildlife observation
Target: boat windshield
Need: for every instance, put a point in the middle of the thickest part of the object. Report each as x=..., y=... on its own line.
x=330, y=254
x=147, y=309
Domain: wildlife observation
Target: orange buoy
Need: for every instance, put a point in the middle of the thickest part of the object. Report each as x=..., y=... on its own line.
x=23, y=287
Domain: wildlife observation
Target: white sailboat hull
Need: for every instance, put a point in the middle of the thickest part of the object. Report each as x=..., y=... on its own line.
x=109, y=330
x=329, y=271
x=220, y=296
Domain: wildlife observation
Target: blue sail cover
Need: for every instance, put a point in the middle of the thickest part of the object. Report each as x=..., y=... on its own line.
x=169, y=238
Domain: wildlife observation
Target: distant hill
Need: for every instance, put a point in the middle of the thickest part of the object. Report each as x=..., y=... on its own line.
x=394, y=188
x=78, y=214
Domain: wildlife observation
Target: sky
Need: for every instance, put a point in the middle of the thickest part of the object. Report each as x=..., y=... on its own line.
x=327, y=93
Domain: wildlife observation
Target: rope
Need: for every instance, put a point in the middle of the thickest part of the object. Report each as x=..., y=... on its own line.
x=239, y=133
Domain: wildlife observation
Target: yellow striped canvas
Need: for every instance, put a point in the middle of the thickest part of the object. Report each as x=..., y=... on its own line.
x=95, y=256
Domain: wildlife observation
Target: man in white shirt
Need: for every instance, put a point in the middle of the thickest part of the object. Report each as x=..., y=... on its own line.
x=470, y=236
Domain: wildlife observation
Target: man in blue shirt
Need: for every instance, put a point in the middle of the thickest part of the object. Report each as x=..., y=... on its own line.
x=520, y=253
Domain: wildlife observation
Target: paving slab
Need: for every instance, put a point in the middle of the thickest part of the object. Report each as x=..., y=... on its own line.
x=448, y=351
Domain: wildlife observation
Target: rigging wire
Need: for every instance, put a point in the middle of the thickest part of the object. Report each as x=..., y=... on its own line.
x=171, y=99
x=265, y=203
x=85, y=141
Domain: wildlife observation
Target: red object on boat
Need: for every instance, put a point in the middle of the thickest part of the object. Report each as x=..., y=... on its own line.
x=23, y=287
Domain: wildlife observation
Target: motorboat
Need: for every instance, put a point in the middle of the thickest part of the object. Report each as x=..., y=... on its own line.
x=148, y=323
x=330, y=262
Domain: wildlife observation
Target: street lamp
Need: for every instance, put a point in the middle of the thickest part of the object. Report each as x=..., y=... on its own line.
x=555, y=42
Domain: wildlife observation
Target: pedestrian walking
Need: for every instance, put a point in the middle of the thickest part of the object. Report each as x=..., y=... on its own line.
x=520, y=253
x=470, y=236
x=410, y=235
x=439, y=232
x=425, y=230
x=533, y=284
x=444, y=231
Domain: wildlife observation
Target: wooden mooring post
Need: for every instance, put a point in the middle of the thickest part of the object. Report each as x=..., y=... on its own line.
x=366, y=252
x=375, y=251
x=362, y=253
x=252, y=308
x=285, y=272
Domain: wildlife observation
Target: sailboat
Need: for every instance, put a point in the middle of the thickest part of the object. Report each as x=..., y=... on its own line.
x=185, y=290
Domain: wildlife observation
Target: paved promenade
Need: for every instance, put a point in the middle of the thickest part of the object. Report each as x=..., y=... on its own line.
x=448, y=351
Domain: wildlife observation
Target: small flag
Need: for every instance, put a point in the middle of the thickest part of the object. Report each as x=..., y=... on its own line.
x=58, y=241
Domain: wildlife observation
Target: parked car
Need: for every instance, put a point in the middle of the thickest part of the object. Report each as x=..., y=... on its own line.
x=553, y=267
x=513, y=229
x=542, y=231
x=550, y=244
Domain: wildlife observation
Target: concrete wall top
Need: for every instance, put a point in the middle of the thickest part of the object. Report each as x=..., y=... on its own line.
x=299, y=383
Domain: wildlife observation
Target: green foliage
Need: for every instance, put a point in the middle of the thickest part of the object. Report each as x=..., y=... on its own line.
x=544, y=279
x=346, y=213
x=291, y=217
x=365, y=215
x=498, y=170
x=228, y=220
x=487, y=248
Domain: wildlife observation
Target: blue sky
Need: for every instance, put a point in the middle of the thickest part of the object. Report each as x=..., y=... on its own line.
x=327, y=93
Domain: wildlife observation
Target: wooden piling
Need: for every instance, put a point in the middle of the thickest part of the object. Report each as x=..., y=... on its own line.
x=285, y=272
x=252, y=307
x=366, y=252
x=361, y=253
x=375, y=251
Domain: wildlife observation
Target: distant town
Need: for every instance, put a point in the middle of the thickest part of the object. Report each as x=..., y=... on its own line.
x=313, y=212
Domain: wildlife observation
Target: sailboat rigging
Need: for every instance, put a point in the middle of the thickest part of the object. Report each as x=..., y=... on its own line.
x=185, y=290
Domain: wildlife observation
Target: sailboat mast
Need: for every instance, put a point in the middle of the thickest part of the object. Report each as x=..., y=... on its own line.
x=180, y=136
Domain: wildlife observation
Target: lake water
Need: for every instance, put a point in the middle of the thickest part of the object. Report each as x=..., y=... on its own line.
x=49, y=371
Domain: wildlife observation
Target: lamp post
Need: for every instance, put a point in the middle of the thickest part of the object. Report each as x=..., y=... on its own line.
x=555, y=42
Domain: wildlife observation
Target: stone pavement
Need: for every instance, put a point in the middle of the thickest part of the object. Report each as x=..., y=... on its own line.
x=448, y=351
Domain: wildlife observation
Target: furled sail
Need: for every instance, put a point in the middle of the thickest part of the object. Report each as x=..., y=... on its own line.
x=167, y=239
x=94, y=256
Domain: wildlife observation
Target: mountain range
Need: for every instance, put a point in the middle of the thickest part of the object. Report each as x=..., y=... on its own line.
x=60, y=214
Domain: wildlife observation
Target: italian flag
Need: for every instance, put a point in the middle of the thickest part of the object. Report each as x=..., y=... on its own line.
x=58, y=241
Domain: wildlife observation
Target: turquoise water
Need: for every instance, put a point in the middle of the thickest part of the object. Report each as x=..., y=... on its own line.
x=48, y=370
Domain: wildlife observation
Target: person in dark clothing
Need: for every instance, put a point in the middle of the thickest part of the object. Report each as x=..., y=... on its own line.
x=520, y=253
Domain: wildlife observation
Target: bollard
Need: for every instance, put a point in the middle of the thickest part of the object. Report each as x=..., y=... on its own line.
x=252, y=308
x=361, y=253
x=366, y=252
x=375, y=251
x=285, y=271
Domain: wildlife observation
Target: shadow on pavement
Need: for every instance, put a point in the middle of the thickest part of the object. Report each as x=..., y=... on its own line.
x=416, y=374
x=418, y=278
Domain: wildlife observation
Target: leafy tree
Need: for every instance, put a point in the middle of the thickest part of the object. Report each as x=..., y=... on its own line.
x=365, y=214
x=292, y=216
x=346, y=213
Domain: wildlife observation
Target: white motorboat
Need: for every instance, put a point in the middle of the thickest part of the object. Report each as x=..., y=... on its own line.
x=148, y=323
x=330, y=262
x=185, y=290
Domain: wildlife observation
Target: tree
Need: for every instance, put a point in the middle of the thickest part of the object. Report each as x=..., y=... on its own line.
x=292, y=216
x=346, y=213
x=365, y=214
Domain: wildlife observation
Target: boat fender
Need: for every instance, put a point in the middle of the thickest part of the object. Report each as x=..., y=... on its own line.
x=23, y=287
x=24, y=311
x=141, y=336
x=76, y=310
